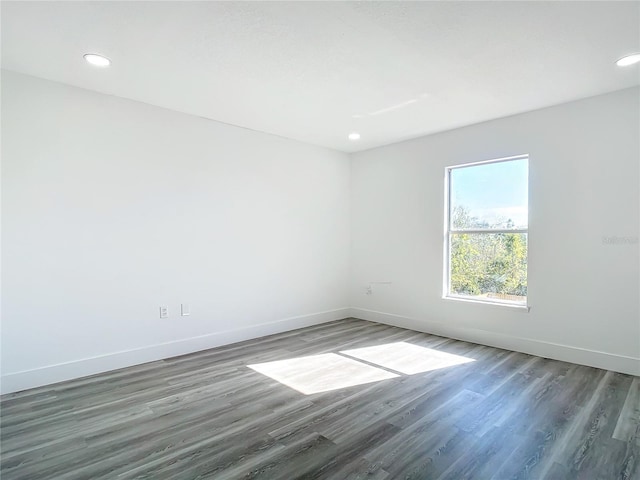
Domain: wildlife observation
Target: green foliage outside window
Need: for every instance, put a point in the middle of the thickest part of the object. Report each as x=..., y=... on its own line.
x=484, y=263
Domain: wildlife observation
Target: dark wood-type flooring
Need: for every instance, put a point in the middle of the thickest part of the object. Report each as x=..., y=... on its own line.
x=505, y=415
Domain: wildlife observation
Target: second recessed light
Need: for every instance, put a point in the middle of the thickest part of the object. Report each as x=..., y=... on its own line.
x=354, y=136
x=629, y=60
x=97, y=60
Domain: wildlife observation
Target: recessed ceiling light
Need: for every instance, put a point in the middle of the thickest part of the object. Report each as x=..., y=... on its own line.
x=97, y=60
x=629, y=60
x=354, y=136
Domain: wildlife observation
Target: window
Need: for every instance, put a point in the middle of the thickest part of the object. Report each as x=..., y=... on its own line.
x=487, y=231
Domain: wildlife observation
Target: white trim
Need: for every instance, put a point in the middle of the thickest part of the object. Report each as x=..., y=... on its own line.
x=16, y=381
x=489, y=230
x=500, y=303
x=446, y=261
x=556, y=351
x=522, y=156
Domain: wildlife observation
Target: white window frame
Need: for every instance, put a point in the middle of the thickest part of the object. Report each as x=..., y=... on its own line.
x=449, y=232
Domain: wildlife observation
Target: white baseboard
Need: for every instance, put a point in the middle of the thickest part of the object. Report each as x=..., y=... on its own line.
x=14, y=382
x=566, y=353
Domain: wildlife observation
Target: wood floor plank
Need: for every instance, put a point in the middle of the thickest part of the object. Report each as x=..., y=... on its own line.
x=502, y=415
x=628, y=425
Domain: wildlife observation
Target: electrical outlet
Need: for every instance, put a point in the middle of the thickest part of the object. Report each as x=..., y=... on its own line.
x=164, y=311
x=185, y=310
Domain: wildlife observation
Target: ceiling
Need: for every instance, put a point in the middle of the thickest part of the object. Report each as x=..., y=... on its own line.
x=316, y=71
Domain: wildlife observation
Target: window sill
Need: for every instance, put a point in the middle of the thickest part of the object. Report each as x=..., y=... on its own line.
x=515, y=306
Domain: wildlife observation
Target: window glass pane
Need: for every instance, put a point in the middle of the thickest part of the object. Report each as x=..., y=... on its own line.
x=490, y=196
x=489, y=266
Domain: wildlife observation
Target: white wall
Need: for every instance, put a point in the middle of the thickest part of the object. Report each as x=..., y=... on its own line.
x=112, y=208
x=584, y=185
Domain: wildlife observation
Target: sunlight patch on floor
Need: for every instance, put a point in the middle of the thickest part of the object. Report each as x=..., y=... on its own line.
x=321, y=373
x=407, y=358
